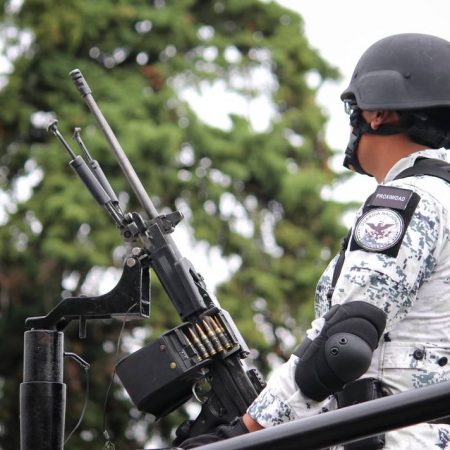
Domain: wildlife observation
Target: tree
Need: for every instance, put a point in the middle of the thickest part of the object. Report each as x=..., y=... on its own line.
x=255, y=196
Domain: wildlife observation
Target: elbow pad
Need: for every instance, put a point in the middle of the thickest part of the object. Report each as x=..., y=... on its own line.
x=343, y=350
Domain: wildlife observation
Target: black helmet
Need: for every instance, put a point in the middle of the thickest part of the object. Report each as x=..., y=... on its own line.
x=402, y=72
x=408, y=73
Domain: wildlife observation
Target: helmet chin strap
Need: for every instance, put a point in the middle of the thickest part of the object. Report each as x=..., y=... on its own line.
x=360, y=127
x=351, y=152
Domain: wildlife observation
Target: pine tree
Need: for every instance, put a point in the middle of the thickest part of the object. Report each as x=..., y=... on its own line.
x=253, y=196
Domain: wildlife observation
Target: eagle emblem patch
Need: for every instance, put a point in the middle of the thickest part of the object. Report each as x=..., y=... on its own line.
x=379, y=229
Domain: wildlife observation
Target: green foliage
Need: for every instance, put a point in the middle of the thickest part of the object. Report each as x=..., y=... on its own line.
x=254, y=195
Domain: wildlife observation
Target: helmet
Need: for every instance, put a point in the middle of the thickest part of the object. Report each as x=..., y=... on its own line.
x=404, y=71
x=408, y=73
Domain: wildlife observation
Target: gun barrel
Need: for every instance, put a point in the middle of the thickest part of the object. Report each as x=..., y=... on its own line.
x=121, y=157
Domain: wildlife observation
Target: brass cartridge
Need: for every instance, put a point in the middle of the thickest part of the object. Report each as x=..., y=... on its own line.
x=213, y=337
x=221, y=333
x=198, y=344
x=189, y=343
x=207, y=343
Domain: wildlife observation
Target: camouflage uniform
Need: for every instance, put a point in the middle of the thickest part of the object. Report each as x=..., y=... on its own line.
x=414, y=291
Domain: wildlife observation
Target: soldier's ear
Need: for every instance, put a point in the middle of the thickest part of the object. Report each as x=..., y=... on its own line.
x=381, y=117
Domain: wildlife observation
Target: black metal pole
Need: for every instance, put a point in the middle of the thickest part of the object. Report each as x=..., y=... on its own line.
x=348, y=424
x=42, y=393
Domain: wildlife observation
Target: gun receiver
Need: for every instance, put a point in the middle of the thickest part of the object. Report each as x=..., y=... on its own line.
x=207, y=348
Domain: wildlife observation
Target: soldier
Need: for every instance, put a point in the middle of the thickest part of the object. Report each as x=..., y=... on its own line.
x=383, y=305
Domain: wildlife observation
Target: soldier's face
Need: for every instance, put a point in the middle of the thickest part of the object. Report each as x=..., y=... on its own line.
x=365, y=150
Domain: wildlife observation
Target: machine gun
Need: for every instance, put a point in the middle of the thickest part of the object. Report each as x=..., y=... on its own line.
x=203, y=356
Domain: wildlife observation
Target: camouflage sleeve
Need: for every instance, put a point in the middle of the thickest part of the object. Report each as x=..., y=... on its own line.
x=392, y=282
x=282, y=401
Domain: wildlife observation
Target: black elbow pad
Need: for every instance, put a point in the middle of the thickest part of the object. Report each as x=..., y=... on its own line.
x=343, y=350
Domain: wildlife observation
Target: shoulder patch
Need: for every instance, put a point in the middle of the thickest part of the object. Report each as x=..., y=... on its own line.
x=379, y=229
x=384, y=220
